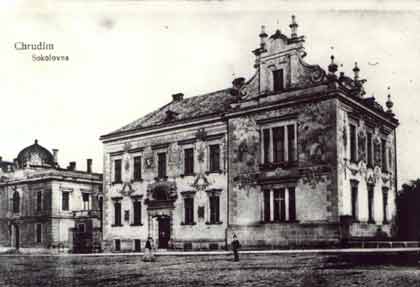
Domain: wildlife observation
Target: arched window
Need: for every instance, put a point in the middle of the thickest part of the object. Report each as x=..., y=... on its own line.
x=16, y=202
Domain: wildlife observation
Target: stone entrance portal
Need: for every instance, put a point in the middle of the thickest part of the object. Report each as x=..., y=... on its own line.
x=160, y=200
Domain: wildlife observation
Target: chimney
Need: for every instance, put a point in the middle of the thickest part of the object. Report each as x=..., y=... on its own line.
x=55, y=154
x=1, y=158
x=72, y=165
x=177, y=97
x=238, y=83
x=89, y=165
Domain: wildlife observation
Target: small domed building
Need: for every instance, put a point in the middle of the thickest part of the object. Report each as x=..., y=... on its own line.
x=46, y=207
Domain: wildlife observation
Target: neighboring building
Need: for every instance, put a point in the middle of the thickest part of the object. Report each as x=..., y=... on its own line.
x=43, y=206
x=292, y=156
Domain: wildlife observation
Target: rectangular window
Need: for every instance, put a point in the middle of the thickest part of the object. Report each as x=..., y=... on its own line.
x=282, y=205
x=161, y=165
x=278, y=82
x=188, y=161
x=370, y=203
x=38, y=232
x=189, y=210
x=385, y=204
x=117, y=213
x=369, y=150
x=214, y=158
x=117, y=243
x=278, y=144
x=352, y=143
x=85, y=197
x=384, y=161
x=137, y=168
x=214, y=209
x=39, y=201
x=137, y=245
x=292, y=204
x=354, y=200
x=65, y=201
x=267, y=206
x=266, y=142
x=117, y=170
x=137, y=212
x=291, y=142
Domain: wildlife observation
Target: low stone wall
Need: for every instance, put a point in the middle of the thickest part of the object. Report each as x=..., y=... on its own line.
x=286, y=235
x=363, y=229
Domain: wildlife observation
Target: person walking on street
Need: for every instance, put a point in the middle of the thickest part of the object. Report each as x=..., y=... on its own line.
x=148, y=253
x=235, y=246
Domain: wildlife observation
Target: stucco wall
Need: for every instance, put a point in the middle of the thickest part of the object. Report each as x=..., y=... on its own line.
x=315, y=171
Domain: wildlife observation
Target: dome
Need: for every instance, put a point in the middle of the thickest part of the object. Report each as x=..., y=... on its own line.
x=35, y=155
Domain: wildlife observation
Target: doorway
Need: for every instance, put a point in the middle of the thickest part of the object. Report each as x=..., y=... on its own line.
x=164, y=231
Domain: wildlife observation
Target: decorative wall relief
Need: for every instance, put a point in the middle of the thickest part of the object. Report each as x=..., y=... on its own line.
x=316, y=129
x=201, y=150
x=314, y=175
x=126, y=189
x=148, y=162
x=126, y=159
x=201, y=182
x=242, y=149
x=247, y=181
x=148, y=158
x=174, y=153
x=245, y=150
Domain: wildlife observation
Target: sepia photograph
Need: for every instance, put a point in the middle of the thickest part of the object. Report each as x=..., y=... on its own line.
x=209, y=143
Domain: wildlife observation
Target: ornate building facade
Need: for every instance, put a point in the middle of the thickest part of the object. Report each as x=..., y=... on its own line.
x=294, y=155
x=44, y=207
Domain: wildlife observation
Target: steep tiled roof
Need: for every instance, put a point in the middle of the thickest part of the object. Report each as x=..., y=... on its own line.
x=186, y=109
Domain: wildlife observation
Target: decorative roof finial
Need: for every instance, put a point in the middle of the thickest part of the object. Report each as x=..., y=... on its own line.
x=332, y=67
x=263, y=36
x=389, y=103
x=356, y=71
x=293, y=27
x=341, y=72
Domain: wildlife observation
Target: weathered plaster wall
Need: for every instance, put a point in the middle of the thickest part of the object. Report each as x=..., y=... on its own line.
x=314, y=175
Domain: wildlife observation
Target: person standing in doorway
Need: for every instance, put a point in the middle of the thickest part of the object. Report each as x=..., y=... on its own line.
x=235, y=247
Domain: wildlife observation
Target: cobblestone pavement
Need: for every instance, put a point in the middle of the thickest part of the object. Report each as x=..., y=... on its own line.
x=218, y=270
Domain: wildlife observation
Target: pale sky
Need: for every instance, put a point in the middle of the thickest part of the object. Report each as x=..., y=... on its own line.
x=126, y=58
